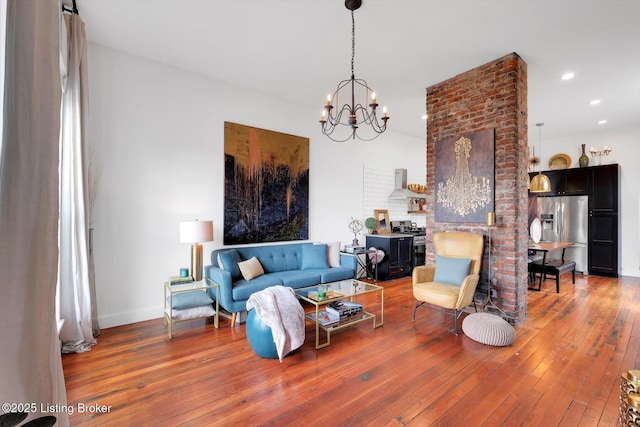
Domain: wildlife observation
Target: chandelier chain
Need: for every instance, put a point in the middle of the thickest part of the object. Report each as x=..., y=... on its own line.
x=353, y=43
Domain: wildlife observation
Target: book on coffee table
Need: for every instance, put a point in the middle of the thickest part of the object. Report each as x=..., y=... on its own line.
x=344, y=308
x=325, y=318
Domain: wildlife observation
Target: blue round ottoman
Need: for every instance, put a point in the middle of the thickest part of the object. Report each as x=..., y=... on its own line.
x=260, y=337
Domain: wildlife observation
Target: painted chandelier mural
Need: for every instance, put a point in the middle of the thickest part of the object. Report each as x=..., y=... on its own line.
x=463, y=196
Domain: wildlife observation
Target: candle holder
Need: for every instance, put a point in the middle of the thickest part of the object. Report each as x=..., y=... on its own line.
x=599, y=152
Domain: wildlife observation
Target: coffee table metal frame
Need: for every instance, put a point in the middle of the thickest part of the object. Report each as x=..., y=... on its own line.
x=337, y=291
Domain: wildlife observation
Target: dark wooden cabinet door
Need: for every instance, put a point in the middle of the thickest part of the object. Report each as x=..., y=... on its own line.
x=604, y=188
x=567, y=182
x=398, y=255
x=556, y=178
x=603, y=244
x=576, y=181
x=604, y=220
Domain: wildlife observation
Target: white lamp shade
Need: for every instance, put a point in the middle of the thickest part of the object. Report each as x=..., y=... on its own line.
x=196, y=231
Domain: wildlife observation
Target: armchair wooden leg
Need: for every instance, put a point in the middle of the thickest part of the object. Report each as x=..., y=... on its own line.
x=233, y=319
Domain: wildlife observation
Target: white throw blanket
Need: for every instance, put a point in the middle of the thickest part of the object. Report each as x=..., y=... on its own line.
x=279, y=308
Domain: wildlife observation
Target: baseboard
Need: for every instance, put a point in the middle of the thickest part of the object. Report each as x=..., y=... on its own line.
x=630, y=272
x=120, y=319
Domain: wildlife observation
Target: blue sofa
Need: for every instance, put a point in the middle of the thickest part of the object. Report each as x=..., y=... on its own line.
x=296, y=265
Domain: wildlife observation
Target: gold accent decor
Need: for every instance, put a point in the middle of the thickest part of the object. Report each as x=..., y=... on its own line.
x=559, y=161
x=491, y=219
x=630, y=398
x=540, y=184
x=196, y=261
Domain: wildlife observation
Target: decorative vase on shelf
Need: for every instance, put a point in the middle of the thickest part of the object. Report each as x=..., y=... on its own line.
x=584, y=159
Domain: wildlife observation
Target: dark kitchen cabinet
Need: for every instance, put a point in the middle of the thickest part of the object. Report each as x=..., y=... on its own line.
x=567, y=182
x=602, y=185
x=398, y=255
x=604, y=220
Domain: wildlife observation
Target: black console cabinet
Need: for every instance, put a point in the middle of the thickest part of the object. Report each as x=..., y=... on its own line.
x=602, y=185
x=398, y=255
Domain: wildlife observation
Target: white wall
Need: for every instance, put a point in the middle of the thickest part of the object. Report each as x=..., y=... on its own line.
x=157, y=134
x=626, y=152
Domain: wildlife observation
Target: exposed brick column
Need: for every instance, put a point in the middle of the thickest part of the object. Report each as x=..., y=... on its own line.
x=493, y=95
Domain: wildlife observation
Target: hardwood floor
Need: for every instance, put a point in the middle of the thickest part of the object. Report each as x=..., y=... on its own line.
x=563, y=369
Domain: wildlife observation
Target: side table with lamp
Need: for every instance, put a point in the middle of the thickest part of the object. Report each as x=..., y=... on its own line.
x=190, y=297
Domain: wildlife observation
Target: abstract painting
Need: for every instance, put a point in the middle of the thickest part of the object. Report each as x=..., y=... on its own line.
x=266, y=189
x=465, y=177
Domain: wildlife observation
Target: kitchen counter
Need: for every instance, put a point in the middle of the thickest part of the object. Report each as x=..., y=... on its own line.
x=389, y=236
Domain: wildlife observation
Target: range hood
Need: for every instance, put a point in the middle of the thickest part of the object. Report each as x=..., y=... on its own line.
x=401, y=191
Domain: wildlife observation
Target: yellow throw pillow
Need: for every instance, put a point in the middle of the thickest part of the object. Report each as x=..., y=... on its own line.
x=251, y=268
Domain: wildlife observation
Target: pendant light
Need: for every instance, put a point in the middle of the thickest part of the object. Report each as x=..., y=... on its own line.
x=540, y=183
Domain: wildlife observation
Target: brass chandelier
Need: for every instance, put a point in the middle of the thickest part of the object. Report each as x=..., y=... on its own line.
x=352, y=114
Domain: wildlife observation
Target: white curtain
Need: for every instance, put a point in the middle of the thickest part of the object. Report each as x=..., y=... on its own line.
x=30, y=362
x=74, y=281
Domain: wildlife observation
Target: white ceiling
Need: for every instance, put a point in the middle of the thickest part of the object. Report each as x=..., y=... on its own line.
x=299, y=50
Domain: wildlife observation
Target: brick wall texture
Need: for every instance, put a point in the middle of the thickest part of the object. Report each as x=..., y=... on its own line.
x=493, y=95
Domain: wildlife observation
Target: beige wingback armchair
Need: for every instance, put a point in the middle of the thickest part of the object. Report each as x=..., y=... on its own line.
x=455, y=289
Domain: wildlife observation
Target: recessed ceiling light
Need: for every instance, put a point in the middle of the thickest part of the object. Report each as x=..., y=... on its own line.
x=424, y=117
x=595, y=102
x=568, y=76
x=601, y=122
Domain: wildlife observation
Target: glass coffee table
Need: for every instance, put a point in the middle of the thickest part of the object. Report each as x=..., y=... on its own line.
x=343, y=290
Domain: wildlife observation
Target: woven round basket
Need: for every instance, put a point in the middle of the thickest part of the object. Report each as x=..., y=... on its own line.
x=488, y=329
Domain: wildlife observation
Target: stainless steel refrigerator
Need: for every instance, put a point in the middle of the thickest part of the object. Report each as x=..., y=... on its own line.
x=566, y=219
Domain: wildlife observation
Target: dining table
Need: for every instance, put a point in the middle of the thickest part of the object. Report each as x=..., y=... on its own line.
x=545, y=247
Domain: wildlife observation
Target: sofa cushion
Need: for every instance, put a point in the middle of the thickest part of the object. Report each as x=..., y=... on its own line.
x=243, y=289
x=314, y=256
x=437, y=293
x=251, y=268
x=298, y=278
x=228, y=260
x=185, y=300
x=335, y=274
x=333, y=254
x=451, y=271
x=275, y=257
